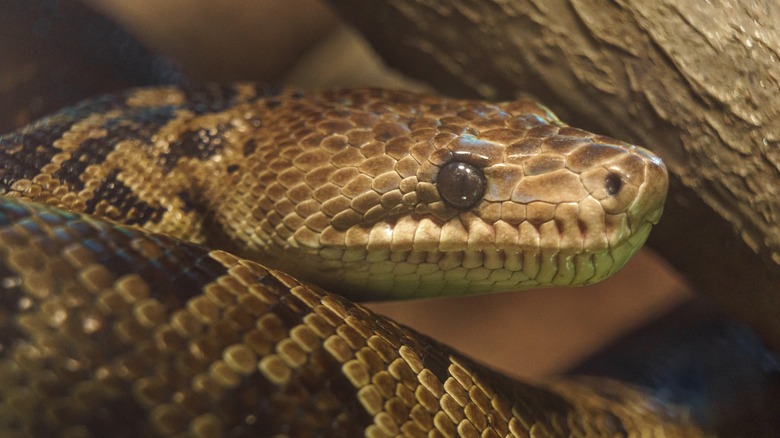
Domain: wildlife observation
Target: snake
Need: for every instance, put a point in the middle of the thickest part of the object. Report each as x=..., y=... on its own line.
x=184, y=261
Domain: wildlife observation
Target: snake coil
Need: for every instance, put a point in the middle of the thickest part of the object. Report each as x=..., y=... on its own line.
x=117, y=318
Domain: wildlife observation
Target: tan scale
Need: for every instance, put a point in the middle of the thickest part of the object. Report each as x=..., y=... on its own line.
x=340, y=188
x=115, y=330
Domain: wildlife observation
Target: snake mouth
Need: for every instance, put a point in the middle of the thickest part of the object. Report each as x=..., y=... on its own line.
x=406, y=274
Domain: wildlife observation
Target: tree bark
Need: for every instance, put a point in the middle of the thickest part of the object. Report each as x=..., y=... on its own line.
x=695, y=81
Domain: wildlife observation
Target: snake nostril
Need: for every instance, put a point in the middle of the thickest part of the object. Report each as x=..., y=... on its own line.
x=461, y=185
x=613, y=184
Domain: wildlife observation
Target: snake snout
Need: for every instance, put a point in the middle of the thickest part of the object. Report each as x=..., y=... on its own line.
x=649, y=202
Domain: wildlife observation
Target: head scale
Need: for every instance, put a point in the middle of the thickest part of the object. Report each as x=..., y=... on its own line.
x=429, y=196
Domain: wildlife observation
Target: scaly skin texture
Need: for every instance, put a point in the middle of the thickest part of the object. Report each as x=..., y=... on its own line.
x=111, y=331
x=342, y=188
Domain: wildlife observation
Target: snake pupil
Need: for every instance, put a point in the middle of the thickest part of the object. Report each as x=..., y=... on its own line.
x=461, y=185
x=613, y=184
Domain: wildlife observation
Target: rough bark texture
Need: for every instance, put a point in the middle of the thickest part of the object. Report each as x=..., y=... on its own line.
x=695, y=81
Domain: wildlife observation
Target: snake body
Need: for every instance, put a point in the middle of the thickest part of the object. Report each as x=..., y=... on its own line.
x=116, y=320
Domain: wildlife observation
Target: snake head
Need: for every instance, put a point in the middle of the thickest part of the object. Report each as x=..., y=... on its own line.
x=431, y=196
x=539, y=203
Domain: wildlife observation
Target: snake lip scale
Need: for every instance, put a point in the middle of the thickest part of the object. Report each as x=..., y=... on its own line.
x=371, y=193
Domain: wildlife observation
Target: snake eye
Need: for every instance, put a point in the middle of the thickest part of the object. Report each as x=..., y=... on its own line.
x=461, y=185
x=613, y=184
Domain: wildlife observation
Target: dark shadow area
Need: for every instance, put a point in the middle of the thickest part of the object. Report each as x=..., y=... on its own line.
x=699, y=358
x=55, y=53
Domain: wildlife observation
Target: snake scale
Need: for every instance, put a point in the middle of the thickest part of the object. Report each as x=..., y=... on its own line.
x=133, y=304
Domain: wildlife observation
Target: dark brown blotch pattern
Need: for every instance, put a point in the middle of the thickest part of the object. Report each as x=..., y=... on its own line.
x=147, y=334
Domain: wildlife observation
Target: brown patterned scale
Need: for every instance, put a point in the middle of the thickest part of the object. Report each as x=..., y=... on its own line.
x=110, y=330
x=376, y=194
